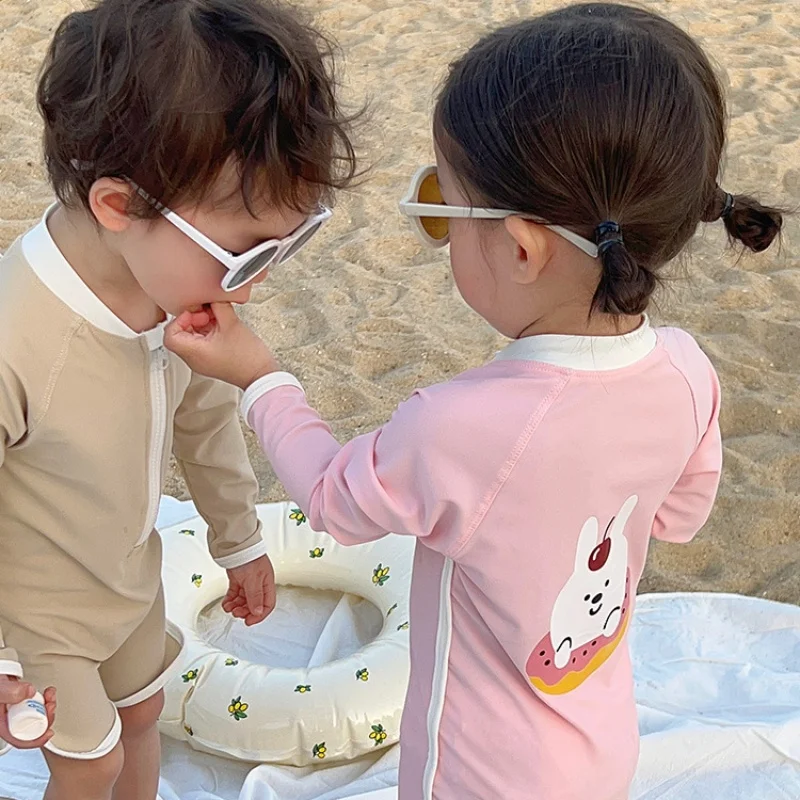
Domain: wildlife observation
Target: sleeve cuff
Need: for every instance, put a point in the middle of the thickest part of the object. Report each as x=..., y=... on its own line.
x=243, y=557
x=13, y=668
x=257, y=390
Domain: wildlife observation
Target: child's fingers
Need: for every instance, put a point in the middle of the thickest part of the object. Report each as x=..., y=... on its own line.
x=15, y=691
x=5, y=735
x=225, y=315
x=182, y=322
x=254, y=592
x=51, y=712
x=233, y=599
x=185, y=343
x=229, y=605
x=231, y=594
x=202, y=321
x=270, y=598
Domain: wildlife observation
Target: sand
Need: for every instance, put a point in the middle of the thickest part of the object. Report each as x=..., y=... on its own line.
x=366, y=315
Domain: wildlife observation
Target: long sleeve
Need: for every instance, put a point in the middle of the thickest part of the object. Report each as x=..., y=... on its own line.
x=689, y=504
x=13, y=427
x=212, y=453
x=401, y=478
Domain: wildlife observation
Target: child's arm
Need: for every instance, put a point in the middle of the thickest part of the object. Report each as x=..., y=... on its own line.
x=212, y=454
x=13, y=427
x=402, y=478
x=689, y=504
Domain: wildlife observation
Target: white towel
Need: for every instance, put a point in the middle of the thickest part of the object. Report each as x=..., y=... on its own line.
x=717, y=682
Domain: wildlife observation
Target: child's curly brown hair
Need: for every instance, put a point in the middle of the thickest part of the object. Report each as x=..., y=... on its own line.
x=167, y=92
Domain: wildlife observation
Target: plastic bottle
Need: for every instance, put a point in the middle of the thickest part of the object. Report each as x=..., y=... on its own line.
x=27, y=721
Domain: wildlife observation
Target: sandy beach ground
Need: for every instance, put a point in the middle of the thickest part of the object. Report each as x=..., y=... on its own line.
x=366, y=315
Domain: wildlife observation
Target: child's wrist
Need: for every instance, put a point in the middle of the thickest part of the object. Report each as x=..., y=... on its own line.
x=266, y=367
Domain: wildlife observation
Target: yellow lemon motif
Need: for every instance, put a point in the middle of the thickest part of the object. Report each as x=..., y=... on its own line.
x=317, y=552
x=197, y=580
x=298, y=516
x=186, y=532
x=380, y=575
x=231, y=662
x=362, y=675
x=320, y=751
x=237, y=709
x=190, y=675
x=303, y=689
x=378, y=735
x=188, y=730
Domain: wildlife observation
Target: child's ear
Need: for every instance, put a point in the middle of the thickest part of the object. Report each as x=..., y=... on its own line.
x=108, y=199
x=532, y=251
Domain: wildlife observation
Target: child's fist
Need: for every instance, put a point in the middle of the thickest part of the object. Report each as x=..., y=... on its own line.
x=13, y=691
x=251, y=591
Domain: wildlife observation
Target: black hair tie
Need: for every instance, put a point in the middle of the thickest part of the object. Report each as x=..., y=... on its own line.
x=606, y=234
x=727, y=208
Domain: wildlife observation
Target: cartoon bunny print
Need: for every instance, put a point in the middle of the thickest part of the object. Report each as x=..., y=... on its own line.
x=590, y=604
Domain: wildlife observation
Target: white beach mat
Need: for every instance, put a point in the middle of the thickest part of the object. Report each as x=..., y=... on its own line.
x=717, y=682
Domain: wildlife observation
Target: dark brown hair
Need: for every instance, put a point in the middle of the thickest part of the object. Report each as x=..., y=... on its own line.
x=591, y=114
x=167, y=92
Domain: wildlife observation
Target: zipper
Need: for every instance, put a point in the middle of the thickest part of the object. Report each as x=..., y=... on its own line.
x=159, y=360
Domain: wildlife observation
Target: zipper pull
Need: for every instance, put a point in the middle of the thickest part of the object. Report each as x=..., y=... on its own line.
x=161, y=358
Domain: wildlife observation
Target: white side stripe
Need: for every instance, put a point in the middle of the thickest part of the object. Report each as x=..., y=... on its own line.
x=444, y=635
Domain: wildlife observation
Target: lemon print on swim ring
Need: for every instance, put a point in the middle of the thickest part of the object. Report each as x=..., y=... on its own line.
x=378, y=735
x=380, y=575
x=320, y=751
x=237, y=709
x=297, y=516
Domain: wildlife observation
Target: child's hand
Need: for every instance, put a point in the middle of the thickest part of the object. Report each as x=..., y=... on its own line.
x=13, y=690
x=251, y=591
x=214, y=342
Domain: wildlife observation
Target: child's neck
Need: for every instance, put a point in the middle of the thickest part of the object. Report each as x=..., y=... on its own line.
x=566, y=322
x=104, y=271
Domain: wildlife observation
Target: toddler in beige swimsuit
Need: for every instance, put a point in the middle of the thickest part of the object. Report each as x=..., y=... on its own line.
x=177, y=134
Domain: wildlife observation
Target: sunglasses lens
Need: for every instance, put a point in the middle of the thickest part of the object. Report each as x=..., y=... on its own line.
x=300, y=243
x=429, y=192
x=252, y=268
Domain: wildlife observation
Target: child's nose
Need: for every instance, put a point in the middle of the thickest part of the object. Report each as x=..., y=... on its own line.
x=597, y=598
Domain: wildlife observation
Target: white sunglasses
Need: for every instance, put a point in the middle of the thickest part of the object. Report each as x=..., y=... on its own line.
x=425, y=205
x=244, y=267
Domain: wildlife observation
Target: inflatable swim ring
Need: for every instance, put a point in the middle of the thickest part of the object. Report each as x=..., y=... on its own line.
x=223, y=704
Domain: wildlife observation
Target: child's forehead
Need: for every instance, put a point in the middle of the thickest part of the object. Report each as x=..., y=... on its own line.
x=227, y=196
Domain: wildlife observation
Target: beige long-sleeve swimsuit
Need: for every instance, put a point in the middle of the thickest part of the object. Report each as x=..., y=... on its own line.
x=89, y=413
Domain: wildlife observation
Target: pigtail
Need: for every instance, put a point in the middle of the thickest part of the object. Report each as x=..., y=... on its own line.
x=745, y=219
x=625, y=286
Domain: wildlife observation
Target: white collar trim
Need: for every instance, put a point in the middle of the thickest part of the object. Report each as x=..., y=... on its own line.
x=55, y=272
x=584, y=353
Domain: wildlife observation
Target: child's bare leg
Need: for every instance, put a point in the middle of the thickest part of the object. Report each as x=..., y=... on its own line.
x=76, y=779
x=139, y=777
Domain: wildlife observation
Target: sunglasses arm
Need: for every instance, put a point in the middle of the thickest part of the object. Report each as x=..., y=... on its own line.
x=411, y=209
